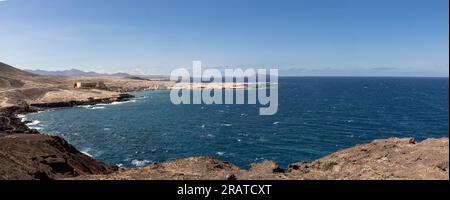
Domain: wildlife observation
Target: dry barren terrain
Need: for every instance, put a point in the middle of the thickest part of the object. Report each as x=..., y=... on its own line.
x=18, y=87
x=387, y=159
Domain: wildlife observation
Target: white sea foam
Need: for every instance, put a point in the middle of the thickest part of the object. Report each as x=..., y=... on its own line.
x=227, y=125
x=140, y=163
x=258, y=159
x=139, y=98
x=120, y=102
x=35, y=127
x=102, y=105
x=203, y=126
x=220, y=153
x=86, y=106
x=86, y=152
x=123, y=102
x=275, y=123
x=97, y=107
x=22, y=118
x=33, y=123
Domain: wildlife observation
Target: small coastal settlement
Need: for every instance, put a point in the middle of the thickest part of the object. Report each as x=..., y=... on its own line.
x=90, y=85
x=26, y=154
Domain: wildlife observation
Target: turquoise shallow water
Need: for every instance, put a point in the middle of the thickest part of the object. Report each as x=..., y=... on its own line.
x=316, y=116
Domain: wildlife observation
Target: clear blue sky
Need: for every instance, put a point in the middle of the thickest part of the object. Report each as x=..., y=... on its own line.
x=315, y=37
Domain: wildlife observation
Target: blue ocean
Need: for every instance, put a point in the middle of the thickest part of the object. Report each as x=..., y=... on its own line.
x=317, y=116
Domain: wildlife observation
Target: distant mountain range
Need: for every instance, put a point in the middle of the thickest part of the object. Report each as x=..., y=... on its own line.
x=13, y=78
x=74, y=73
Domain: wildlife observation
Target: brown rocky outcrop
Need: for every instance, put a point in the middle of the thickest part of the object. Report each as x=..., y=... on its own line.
x=394, y=158
x=387, y=159
x=92, y=101
x=25, y=154
x=37, y=156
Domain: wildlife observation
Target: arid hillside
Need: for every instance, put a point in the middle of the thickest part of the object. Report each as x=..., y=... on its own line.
x=18, y=87
x=386, y=159
x=13, y=73
x=11, y=78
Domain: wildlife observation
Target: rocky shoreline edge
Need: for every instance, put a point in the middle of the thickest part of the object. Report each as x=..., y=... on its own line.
x=26, y=154
x=122, y=97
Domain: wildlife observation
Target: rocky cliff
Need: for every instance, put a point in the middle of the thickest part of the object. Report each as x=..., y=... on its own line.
x=387, y=159
x=26, y=154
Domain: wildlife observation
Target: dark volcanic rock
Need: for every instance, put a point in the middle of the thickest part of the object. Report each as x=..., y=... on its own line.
x=122, y=97
x=37, y=156
x=9, y=123
x=25, y=154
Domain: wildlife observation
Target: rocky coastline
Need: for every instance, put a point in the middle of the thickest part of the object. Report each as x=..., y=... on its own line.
x=26, y=154
x=92, y=101
x=9, y=123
